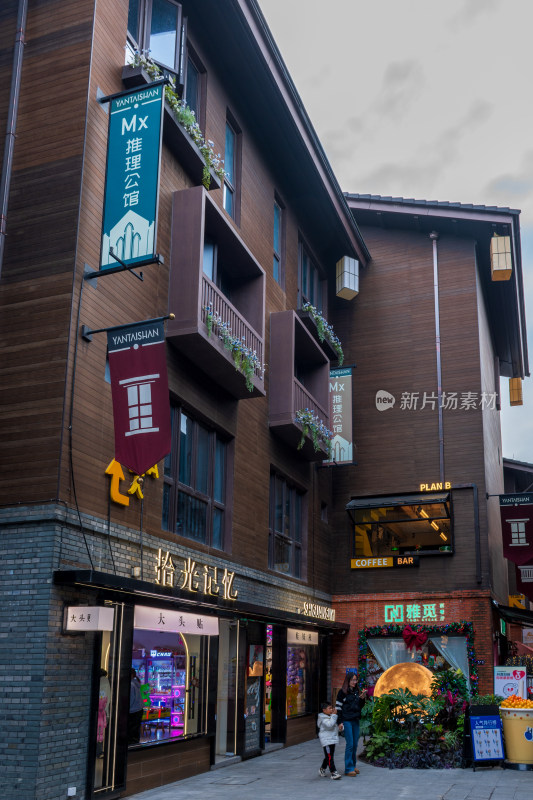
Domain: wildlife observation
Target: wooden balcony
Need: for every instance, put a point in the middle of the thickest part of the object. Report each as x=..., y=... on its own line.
x=239, y=309
x=299, y=379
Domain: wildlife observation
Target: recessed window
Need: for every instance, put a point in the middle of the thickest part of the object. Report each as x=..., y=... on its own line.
x=156, y=26
x=312, y=285
x=403, y=526
x=277, y=244
x=286, y=527
x=232, y=157
x=195, y=482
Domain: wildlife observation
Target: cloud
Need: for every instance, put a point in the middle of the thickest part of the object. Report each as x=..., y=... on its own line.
x=401, y=82
x=518, y=185
x=470, y=12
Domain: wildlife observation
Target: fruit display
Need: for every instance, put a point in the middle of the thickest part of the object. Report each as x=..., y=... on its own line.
x=514, y=701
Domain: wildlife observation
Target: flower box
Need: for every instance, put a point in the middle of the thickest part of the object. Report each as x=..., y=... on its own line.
x=175, y=136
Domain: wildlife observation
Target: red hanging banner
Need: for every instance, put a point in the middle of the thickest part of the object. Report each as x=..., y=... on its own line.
x=139, y=387
x=516, y=511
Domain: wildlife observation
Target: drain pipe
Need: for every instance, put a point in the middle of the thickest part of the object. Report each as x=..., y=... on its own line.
x=18, y=52
x=434, y=237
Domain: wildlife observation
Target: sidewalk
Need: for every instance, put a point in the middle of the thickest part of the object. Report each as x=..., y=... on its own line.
x=293, y=772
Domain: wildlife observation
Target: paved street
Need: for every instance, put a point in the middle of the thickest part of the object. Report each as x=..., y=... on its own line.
x=293, y=772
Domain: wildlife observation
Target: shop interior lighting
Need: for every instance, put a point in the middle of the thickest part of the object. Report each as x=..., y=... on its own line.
x=443, y=537
x=434, y=525
x=423, y=513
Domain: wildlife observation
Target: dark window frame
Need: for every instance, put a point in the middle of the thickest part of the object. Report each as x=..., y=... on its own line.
x=141, y=41
x=190, y=57
x=312, y=283
x=171, y=479
x=233, y=186
x=297, y=565
x=278, y=257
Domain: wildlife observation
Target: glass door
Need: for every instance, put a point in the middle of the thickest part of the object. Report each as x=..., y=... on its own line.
x=226, y=730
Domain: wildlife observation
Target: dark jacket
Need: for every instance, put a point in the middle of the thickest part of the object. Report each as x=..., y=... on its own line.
x=349, y=706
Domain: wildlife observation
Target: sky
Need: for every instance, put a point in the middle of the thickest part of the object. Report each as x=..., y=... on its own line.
x=424, y=99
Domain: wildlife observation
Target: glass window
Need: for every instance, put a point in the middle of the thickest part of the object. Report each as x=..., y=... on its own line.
x=302, y=686
x=155, y=25
x=171, y=673
x=286, y=528
x=420, y=528
x=192, y=88
x=194, y=494
x=277, y=244
x=230, y=169
x=312, y=288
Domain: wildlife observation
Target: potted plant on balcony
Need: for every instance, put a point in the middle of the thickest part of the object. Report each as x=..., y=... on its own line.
x=313, y=426
x=245, y=359
x=184, y=116
x=324, y=330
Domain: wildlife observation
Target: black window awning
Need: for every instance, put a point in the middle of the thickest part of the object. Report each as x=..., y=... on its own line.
x=517, y=615
x=421, y=498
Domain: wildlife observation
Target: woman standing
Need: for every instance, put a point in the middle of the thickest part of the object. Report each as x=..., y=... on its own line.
x=350, y=702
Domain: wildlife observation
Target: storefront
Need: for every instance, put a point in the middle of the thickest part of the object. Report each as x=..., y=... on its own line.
x=217, y=678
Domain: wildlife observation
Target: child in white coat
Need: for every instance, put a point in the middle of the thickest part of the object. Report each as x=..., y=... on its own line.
x=328, y=733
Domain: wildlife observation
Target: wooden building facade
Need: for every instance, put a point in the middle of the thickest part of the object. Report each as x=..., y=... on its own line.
x=417, y=523
x=229, y=533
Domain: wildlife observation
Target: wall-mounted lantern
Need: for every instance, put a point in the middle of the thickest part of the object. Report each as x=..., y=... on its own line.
x=347, y=278
x=501, y=263
x=515, y=391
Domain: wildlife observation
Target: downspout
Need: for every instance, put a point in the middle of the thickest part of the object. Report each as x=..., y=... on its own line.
x=7, y=167
x=434, y=237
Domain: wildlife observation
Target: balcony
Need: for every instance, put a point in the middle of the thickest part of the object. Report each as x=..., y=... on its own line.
x=299, y=379
x=236, y=298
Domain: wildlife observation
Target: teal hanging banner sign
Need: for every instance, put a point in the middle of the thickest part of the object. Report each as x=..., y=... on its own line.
x=340, y=415
x=132, y=176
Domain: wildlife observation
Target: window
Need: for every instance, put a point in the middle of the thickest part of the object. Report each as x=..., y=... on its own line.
x=286, y=527
x=277, y=265
x=213, y=267
x=231, y=167
x=194, y=494
x=389, y=526
x=312, y=288
x=157, y=26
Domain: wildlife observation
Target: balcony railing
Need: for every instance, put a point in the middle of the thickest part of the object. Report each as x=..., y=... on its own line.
x=222, y=309
x=302, y=399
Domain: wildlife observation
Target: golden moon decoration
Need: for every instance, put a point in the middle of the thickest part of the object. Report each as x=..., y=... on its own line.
x=406, y=675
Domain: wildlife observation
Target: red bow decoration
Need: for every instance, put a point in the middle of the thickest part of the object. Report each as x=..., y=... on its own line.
x=413, y=638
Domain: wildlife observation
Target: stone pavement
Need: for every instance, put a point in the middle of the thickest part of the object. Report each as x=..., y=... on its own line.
x=293, y=773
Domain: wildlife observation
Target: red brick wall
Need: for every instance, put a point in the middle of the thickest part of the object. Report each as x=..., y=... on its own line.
x=368, y=610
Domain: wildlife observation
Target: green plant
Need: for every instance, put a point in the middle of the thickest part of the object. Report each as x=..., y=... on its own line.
x=325, y=331
x=313, y=426
x=486, y=700
x=450, y=680
x=186, y=117
x=245, y=359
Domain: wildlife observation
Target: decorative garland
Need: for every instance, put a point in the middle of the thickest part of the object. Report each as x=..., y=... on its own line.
x=245, y=359
x=313, y=426
x=454, y=628
x=185, y=116
x=325, y=331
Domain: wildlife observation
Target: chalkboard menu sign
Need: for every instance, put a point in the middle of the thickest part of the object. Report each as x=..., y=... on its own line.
x=254, y=699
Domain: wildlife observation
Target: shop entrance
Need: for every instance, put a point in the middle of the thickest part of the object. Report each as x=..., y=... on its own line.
x=228, y=657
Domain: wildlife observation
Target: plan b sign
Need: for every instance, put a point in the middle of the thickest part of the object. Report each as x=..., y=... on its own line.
x=132, y=176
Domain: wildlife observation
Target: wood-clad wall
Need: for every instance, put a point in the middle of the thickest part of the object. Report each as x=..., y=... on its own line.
x=112, y=300
x=42, y=217
x=389, y=332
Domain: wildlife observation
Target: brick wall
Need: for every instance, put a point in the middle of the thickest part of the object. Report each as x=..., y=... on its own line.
x=369, y=610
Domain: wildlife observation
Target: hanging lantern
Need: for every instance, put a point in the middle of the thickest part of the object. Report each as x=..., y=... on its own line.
x=515, y=391
x=501, y=263
x=347, y=278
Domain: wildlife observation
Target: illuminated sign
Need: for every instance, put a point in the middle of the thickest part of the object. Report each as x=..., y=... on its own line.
x=116, y=473
x=161, y=619
x=195, y=577
x=414, y=612
x=319, y=612
x=435, y=487
x=385, y=561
